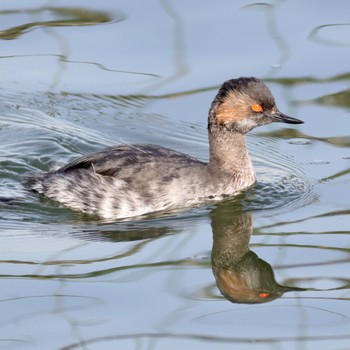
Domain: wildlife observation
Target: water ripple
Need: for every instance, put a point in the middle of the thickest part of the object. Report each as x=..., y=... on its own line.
x=73, y=125
x=282, y=181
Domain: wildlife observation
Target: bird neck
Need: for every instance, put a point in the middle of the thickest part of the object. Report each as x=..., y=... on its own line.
x=229, y=153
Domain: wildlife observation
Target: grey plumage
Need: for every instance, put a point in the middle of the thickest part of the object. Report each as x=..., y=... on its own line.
x=131, y=180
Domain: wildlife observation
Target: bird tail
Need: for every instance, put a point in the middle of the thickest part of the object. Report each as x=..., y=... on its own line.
x=34, y=182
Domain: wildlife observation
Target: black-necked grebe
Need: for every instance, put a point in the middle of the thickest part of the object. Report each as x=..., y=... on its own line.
x=132, y=180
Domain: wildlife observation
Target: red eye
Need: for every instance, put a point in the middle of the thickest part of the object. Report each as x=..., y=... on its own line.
x=256, y=107
x=264, y=295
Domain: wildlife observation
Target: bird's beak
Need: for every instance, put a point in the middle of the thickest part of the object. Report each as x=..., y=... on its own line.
x=282, y=118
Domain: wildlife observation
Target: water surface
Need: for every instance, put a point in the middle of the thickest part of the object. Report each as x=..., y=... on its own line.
x=267, y=270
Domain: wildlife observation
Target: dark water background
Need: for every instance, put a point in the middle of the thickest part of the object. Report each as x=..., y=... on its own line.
x=76, y=77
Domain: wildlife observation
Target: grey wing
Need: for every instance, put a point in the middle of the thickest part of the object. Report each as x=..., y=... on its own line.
x=112, y=160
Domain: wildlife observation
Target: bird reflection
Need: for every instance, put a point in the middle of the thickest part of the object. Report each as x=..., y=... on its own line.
x=241, y=276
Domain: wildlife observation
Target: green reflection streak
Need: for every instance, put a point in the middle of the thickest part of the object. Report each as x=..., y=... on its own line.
x=339, y=99
x=327, y=214
x=273, y=29
x=304, y=246
x=316, y=37
x=304, y=80
x=175, y=263
x=341, y=141
x=135, y=249
x=101, y=66
x=283, y=81
x=81, y=17
x=205, y=338
x=12, y=340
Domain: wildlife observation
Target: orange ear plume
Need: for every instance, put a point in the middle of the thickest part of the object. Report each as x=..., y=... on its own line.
x=256, y=107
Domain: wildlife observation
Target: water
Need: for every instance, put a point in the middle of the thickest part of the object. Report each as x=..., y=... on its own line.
x=268, y=270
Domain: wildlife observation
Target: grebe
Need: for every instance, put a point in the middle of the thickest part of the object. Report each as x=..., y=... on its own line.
x=131, y=180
